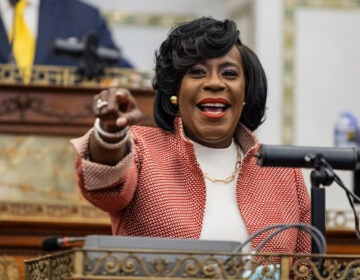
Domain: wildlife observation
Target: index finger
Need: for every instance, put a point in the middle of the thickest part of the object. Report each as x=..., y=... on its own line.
x=125, y=100
x=129, y=118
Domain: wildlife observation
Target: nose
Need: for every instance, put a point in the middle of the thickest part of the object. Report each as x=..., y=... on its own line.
x=214, y=83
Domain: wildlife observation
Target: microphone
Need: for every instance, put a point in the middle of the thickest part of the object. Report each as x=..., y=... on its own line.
x=54, y=243
x=344, y=158
x=76, y=49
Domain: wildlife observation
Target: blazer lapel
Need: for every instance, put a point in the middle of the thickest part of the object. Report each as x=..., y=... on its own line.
x=48, y=21
x=4, y=45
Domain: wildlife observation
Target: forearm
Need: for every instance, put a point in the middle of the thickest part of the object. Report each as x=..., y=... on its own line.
x=110, y=188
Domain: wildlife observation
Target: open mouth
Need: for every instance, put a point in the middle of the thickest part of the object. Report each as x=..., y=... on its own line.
x=213, y=108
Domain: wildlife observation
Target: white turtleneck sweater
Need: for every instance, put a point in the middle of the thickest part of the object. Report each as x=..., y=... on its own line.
x=222, y=219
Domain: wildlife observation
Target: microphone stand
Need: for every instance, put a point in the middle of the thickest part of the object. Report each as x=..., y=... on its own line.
x=92, y=66
x=92, y=60
x=356, y=182
x=322, y=175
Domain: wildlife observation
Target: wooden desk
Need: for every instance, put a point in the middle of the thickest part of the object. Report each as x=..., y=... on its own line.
x=342, y=241
x=64, y=111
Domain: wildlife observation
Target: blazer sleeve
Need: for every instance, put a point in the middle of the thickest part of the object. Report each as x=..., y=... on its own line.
x=109, y=188
x=303, y=244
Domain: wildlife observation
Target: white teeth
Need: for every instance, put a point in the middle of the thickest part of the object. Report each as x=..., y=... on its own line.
x=213, y=105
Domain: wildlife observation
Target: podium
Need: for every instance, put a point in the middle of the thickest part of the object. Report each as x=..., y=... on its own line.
x=162, y=258
x=133, y=264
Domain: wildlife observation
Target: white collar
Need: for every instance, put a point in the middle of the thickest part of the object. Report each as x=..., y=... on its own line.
x=33, y=2
x=218, y=163
x=5, y=4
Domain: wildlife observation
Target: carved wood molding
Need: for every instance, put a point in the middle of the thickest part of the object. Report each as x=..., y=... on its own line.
x=33, y=211
x=68, y=76
x=61, y=111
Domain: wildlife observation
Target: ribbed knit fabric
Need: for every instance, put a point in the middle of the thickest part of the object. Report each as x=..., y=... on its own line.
x=222, y=218
x=159, y=190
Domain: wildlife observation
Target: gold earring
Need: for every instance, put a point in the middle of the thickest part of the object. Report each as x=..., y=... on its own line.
x=174, y=100
x=244, y=103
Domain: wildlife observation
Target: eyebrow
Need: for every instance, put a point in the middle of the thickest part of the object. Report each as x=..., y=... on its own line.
x=227, y=63
x=221, y=65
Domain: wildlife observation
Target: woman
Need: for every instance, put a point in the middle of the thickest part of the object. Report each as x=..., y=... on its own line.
x=194, y=176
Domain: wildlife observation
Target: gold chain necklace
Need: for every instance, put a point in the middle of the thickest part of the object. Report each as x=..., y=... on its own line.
x=232, y=176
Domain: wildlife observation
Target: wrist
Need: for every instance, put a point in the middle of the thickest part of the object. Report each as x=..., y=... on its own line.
x=110, y=140
x=110, y=136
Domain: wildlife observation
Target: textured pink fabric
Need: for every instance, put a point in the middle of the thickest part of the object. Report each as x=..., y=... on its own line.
x=158, y=190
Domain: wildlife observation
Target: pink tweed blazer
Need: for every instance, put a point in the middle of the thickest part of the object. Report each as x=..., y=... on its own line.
x=158, y=190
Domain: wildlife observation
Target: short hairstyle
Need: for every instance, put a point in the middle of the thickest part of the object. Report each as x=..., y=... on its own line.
x=192, y=42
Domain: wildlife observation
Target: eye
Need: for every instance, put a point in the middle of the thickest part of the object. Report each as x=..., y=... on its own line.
x=196, y=72
x=230, y=73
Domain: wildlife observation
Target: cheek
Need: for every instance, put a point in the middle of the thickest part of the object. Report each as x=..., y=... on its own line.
x=242, y=95
x=240, y=101
x=186, y=97
x=182, y=94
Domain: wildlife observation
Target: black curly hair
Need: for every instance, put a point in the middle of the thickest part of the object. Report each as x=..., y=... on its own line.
x=192, y=42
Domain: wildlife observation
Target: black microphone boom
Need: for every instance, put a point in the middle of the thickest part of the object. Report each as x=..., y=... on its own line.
x=76, y=49
x=93, y=58
x=344, y=158
x=54, y=243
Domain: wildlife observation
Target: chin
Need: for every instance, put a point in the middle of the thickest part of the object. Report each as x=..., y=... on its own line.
x=216, y=141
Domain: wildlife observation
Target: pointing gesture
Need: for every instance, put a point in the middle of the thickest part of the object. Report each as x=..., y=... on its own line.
x=116, y=110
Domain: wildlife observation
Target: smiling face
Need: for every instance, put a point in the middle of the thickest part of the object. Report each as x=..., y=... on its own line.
x=211, y=98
